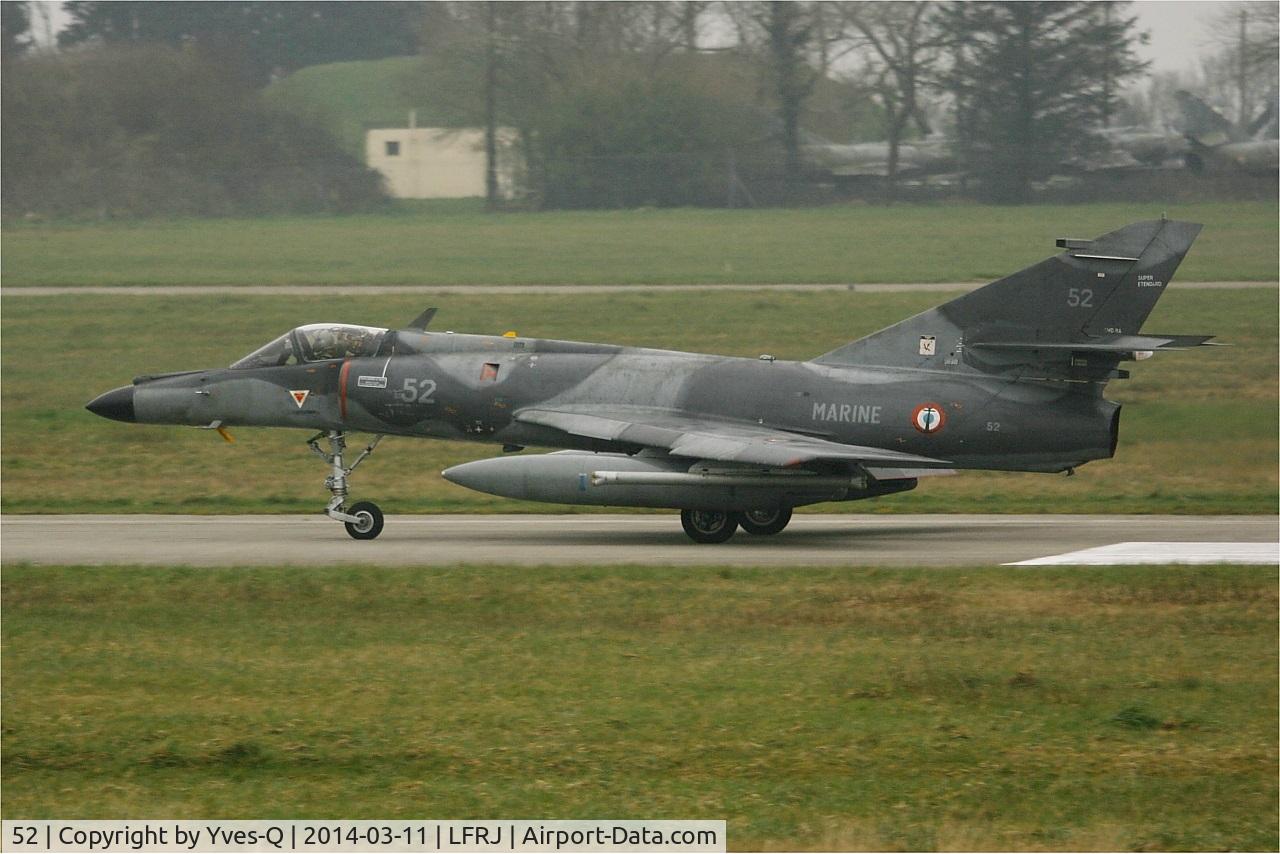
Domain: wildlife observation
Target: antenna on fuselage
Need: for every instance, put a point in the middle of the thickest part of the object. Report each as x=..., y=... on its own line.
x=421, y=321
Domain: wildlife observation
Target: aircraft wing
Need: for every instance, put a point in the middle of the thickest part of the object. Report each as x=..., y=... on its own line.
x=697, y=438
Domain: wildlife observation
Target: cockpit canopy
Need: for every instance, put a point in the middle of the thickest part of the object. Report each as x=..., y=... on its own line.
x=315, y=342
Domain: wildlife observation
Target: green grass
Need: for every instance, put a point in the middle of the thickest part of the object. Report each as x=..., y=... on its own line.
x=1198, y=433
x=831, y=709
x=458, y=244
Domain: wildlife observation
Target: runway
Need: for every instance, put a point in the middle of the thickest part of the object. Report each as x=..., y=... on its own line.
x=933, y=540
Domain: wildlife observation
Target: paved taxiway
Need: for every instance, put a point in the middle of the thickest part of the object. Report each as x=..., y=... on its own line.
x=935, y=540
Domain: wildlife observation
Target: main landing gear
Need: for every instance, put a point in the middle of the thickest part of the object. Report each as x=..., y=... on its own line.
x=717, y=526
x=709, y=526
x=363, y=520
x=765, y=522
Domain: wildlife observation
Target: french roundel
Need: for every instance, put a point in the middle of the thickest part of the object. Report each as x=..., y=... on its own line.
x=928, y=418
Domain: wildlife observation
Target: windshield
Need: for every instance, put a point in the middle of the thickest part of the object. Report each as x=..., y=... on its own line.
x=278, y=352
x=315, y=342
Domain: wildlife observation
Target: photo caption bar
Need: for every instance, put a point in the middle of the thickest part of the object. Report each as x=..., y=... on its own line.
x=198, y=837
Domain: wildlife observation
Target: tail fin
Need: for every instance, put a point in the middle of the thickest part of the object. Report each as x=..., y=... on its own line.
x=1091, y=299
x=1203, y=124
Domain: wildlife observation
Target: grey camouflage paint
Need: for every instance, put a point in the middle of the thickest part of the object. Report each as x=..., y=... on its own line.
x=1008, y=377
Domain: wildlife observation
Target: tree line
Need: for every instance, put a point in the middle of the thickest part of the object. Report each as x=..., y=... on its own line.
x=1028, y=83
x=614, y=103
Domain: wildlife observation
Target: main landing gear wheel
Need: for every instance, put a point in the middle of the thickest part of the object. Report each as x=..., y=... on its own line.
x=362, y=520
x=765, y=522
x=709, y=526
x=368, y=522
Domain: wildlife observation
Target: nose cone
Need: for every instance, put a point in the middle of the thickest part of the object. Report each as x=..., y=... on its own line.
x=490, y=476
x=458, y=475
x=116, y=404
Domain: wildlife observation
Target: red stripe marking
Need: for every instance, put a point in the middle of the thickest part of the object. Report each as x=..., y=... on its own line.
x=342, y=389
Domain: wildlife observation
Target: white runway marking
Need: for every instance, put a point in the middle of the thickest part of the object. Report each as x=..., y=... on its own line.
x=1132, y=553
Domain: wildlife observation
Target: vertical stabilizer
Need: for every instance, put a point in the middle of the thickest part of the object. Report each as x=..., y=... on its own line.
x=1100, y=288
x=1203, y=124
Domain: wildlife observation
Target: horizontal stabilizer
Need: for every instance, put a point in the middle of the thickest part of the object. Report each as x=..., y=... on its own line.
x=1117, y=344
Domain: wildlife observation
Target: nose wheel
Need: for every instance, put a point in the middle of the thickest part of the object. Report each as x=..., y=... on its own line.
x=368, y=522
x=363, y=520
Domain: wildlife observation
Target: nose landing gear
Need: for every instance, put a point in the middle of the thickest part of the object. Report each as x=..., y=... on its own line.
x=369, y=520
x=363, y=520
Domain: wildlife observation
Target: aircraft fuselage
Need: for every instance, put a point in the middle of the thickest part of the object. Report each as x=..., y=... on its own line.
x=470, y=387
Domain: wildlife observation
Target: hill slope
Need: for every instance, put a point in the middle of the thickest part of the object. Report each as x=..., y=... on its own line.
x=350, y=97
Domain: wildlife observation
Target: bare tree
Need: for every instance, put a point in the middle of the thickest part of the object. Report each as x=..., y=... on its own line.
x=516, y=64
x=785, y=36
x=491, y=198
x=901, y=44
x=1247, y=35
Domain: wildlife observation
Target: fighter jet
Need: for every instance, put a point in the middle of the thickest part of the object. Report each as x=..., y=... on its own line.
x=870, y=160
x=1219, y=145
x=1008, y=377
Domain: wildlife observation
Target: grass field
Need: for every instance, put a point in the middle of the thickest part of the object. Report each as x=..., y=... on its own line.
x=1065, y=709
x=458, y=244
x=1198, y=435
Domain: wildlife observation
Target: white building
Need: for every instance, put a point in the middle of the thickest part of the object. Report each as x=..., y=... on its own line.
x=439, y=163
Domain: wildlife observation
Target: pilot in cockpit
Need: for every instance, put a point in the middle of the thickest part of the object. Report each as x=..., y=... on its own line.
x=325, y=345
x=315, y=342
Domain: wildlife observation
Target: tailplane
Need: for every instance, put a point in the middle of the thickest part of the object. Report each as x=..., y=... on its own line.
x=1072, y=316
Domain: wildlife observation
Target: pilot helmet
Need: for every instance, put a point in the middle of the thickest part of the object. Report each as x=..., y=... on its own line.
x=324, y=344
